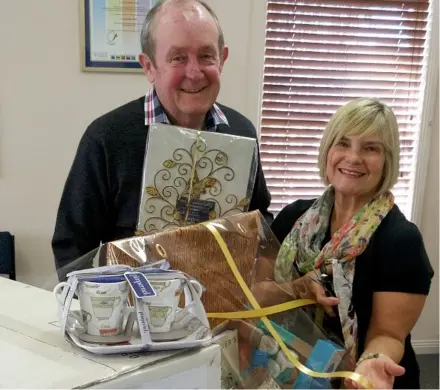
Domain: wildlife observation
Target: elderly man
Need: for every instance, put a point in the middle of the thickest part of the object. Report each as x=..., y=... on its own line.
x=183, y=54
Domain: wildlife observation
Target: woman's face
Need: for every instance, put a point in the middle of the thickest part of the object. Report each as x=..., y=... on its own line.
x=355, y=166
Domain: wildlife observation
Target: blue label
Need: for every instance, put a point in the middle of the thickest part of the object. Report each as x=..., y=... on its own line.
x=140, y=284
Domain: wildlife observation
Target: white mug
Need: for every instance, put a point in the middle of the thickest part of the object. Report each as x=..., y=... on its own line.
x=161, y=309
x=102, y=300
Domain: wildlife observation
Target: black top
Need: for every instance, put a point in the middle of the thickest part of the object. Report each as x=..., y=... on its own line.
x=395, y=260
x=101, y=196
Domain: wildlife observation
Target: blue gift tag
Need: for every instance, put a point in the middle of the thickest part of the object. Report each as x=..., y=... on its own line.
x=140, y=284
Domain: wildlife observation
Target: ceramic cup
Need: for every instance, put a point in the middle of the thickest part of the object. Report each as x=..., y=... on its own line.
x=102, y=300
x=160, y=310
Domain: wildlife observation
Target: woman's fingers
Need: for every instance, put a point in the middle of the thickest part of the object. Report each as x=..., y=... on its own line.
x=394, y=369
x=326, y=302
x=318, y=292
x=349, y=384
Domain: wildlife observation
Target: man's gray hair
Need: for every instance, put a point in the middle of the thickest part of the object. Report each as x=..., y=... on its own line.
x=148, y=30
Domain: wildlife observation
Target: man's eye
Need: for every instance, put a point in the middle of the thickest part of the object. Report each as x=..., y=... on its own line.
x=208, y=57
x=178, y=58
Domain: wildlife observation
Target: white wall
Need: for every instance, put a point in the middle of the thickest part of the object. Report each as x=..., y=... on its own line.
x=426, y=332
x=46, y=102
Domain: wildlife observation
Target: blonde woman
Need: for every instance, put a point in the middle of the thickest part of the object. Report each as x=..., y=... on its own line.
x=356, y=237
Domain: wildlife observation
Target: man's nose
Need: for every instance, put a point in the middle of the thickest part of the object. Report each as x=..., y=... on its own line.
x=193, y=70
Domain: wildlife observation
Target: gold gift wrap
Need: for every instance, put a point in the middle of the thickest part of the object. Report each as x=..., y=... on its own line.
x=194, y=250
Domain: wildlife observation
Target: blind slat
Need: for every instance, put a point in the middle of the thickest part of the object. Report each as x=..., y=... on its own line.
x=298, y=66
x=406, y=20
x=353, y=6
x=328, y=108
x=274, y=56
x=346, y=49
x=302, y=39
x=294, y=31
x=336, y=83
x=333, y=100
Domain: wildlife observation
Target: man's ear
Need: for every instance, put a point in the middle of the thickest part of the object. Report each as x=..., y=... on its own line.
x=223, y=57
x=148, y=67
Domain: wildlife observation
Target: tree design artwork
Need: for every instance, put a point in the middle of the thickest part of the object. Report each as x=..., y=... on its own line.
x=210, y=171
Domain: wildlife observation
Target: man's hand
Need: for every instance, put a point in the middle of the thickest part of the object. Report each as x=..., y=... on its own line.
x=379, y=371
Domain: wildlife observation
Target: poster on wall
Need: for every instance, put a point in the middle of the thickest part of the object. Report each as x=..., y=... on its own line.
x=110, y=34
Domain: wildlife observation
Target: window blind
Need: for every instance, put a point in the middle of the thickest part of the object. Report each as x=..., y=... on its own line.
x=322, y=54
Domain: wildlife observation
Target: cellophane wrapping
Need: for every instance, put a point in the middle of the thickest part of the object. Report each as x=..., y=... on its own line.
x=252, y=358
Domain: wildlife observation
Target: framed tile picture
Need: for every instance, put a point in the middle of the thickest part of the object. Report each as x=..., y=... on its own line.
x=110, y=34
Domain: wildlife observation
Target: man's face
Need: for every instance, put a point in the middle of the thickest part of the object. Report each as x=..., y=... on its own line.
x=187, y=68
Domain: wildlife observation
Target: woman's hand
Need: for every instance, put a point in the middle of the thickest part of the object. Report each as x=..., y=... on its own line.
x=318, y=292
x=269, y=293
x=379, y=371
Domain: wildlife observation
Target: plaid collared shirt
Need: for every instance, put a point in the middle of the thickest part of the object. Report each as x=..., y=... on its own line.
x=154, y=113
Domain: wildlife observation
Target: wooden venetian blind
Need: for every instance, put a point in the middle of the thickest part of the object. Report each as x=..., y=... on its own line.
x=322, y=54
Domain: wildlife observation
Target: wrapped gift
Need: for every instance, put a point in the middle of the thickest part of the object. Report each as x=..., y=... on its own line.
x=192, y=176
x=272, y=340
x=194, y=250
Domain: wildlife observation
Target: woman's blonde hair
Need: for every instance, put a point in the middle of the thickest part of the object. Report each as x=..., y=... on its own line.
x=364, y=117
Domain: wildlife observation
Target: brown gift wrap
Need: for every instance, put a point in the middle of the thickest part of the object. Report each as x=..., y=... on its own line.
x=194, y=250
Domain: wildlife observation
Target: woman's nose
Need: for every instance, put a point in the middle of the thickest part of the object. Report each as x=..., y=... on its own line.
x=353, y=156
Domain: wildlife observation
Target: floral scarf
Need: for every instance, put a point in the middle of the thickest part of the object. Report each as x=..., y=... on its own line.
x=302, y=246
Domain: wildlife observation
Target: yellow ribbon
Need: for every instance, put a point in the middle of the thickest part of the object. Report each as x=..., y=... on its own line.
x=264, y=312
x=341, y=374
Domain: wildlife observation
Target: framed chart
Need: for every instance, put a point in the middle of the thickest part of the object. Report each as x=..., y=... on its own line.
x=110, y=34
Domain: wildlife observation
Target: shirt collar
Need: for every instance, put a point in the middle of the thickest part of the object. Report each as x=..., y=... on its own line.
x=154, y=113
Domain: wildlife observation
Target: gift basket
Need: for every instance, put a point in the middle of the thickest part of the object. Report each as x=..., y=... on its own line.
x=192, y=176
x=271, y=333
x=104, y=320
